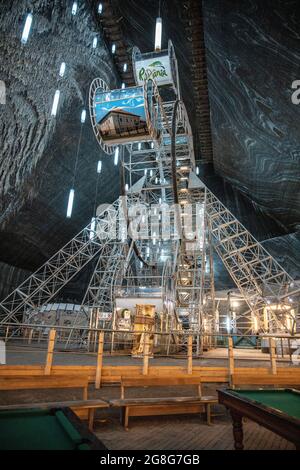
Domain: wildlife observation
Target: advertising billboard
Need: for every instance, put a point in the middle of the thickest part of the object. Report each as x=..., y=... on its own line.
x=121, y=115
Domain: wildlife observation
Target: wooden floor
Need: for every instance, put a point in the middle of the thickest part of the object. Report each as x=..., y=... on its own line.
x=184, y=433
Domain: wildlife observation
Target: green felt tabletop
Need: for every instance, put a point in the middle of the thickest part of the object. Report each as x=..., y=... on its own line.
x=285, y=401
x=38, y=430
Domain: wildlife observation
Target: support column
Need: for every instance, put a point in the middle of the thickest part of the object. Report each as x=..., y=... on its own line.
x=99, y=360
x=230, y=361
x=49, y=359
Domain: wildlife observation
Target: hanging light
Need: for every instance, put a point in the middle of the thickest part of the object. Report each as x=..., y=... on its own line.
x=145, y=171
x=116, y=159
x=152, y=145
x=113, y=48
x=125, y=67
x=55, y=103
x=139, y=146
x=197, y=170
x=99, y=167
x=123, y=86
x=151, y=172
x=95, y=42
x=100, y=8
x=93, y=226
x=159, y=201
x=74, y=8
x=126, y=187
x=158, y=34
x=156, y=180
x=26, y=29
x=83, y=116
x=62, y=69
x=70, y=203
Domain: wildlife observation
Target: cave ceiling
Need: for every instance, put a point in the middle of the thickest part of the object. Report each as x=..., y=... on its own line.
x=248, y=138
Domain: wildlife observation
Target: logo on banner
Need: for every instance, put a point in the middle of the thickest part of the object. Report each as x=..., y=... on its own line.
x=158, y=70
x=153, y=71
x=296, y=94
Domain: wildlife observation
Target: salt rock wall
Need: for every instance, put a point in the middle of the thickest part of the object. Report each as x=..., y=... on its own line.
x=253, y=56
x=37, y=151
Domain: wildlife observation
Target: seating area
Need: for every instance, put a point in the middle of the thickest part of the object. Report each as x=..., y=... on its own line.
x=162, y=405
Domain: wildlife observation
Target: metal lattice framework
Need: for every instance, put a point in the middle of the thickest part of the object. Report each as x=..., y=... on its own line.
x=259, y=277
x=48, y=280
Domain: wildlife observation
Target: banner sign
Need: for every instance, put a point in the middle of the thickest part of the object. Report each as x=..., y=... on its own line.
x=158, y=69
x=120, y=115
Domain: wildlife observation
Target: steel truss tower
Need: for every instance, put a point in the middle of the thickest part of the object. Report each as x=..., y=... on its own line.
x=169, y=255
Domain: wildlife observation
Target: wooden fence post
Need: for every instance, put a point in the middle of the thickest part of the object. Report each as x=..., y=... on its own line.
x=273, y=356
x=190, y=355
x=146, y=355
x=49, y=358
x=230, y=361
x=30, y=336
x=99, y=360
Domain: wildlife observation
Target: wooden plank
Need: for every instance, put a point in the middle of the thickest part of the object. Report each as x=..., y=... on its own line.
x=160, y=381
x=49, y=358
x=157, y=410
x=146, y=355
x=82, y=404
x=270, y=379
x=161, y=400
x=99, y=360
x=46, y=381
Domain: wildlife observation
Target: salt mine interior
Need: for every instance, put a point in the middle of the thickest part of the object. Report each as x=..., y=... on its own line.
x=149, y=225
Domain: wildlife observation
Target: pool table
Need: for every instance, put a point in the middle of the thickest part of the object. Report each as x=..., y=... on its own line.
x=276, y=409
x=50, y=429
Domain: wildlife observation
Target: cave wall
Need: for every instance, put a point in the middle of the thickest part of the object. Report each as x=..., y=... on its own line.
x=37, y=152
x=253, y=56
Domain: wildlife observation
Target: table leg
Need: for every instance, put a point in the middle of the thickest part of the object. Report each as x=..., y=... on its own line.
x=208, y=414
x=91, y=418
x=237, y=426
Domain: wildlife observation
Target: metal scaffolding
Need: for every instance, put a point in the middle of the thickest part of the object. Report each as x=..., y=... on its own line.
x=170, y=257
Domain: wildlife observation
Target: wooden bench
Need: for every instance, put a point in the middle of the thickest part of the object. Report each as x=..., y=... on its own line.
x=162, y=405
x=43, y=382
x=84, y=409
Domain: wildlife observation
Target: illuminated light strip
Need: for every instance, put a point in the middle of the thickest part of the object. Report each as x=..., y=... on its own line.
x=116, y=159
x=26, y=30
x=62, y=69
x=70, y=203
x=74, y=8
x=158, y=34
x=55, y=103
x=83, y=116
